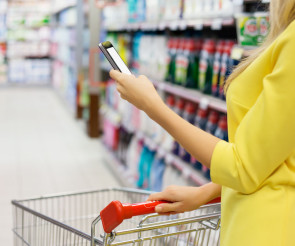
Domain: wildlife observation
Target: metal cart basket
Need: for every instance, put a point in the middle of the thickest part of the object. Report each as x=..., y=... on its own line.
x=71, y=219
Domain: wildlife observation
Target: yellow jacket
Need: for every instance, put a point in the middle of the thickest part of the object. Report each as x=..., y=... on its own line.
x=257, y=168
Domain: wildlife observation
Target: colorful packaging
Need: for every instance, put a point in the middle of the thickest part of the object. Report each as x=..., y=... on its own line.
x=217, y=67
x=247, y=30
x=263, y=26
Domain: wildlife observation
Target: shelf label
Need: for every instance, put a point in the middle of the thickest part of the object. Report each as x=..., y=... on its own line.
x=182, y=25
x=169, y=158
x=199, y=24
x=173, y=25
x=162, y=25
x=216, y=24
x=186, y=172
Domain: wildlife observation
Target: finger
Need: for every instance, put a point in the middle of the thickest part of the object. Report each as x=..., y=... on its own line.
x=167, y=207
x=116, y=75
x=160, y=196
x=120, y=77
x=168, y=214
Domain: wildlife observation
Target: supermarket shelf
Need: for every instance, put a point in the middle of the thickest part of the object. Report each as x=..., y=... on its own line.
x=198, y=24
x=118, y=168
x=189, y=94
x=185, y=168
x=66, y=63
x=63, y=7
x=192, y=95
x=25, y=84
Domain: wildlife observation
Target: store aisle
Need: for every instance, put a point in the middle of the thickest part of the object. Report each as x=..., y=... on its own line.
x=43, y=150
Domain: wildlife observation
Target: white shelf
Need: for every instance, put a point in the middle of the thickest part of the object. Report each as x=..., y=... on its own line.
x=192, y=95
x=61, y=7
x=181, y=24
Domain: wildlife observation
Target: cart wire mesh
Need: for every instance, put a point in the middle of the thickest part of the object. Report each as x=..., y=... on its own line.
x=66, y=220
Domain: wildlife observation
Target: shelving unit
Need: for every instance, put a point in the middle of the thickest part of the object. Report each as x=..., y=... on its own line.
x=68, y=48
x=3, y=45
x=201, y=24
x=28, y=43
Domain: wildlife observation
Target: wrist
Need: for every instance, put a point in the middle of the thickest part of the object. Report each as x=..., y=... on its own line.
x=154, y=106
x=210, y=191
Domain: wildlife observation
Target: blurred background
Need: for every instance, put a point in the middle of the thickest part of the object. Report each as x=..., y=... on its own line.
x=63, y=126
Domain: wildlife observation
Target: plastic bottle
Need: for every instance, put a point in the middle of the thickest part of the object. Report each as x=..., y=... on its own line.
x=189, y=116
x=171, y=59
x=223, y=69
x=206, y=67
x=221, y=131
x=217, y=67
x=181, y=62
x=212, y=122
x=201, y=118
x=179, y=109
x=193, y=47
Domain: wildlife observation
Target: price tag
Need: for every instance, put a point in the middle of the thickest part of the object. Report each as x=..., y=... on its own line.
x=161, y=86
x=237, y=53
x=162, y=25
x=169, y=158
x=199, y=25
x=186, y=172
x=216, y=24
x=173, y=25
x=182, y=25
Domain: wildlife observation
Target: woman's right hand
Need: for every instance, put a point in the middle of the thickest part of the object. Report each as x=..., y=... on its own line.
x=183, y=198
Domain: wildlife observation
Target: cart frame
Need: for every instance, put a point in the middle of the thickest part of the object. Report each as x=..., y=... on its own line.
x=150, y=223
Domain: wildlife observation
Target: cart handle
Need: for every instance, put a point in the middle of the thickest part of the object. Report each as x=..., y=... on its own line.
x=114, y=214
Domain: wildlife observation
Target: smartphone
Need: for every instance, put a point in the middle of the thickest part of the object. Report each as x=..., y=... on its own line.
x=113, y=57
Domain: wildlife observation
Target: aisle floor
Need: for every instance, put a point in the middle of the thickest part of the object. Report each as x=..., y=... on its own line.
x=43, y=150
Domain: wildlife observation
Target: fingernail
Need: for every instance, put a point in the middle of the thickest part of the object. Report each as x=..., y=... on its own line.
x=159, y=209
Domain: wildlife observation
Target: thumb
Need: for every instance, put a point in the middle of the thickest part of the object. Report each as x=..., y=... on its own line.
x=167, y=207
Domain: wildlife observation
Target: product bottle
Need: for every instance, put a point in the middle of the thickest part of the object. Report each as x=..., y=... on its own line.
x=171, y=59
x=212, y=122
x=181, y=62
x=216, y=67
x=225, y=68
x=193, y=47
x=221, y=131
x=189, y=116
x=206, y=67
x=179, y=109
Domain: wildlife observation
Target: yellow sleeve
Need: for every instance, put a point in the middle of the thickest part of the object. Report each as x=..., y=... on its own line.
x=265, y=137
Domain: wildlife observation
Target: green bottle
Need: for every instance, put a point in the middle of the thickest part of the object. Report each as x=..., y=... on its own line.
x=206, y=67
x=171, y=62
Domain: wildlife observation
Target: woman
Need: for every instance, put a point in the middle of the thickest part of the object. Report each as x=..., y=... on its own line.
x=256, y=170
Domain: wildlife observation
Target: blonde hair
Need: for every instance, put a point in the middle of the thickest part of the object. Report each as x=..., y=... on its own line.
x=282, y=13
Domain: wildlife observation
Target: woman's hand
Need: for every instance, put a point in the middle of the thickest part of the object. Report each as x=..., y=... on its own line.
x=138, y=91
x=184, y=198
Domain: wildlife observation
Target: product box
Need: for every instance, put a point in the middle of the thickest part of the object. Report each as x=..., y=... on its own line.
x=252, y=29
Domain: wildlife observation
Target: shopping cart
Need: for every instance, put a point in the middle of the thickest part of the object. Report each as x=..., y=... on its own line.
x=72, y=219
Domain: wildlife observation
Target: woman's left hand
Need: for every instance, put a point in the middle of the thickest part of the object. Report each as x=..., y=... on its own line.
x=138, y=91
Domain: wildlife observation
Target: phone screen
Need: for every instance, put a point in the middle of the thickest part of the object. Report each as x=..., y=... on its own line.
x=113, y=57
x=118, y=60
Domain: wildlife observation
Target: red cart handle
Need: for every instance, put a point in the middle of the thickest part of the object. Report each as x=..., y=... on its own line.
x=114, y=214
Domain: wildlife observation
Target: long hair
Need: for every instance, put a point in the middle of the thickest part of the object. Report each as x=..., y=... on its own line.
x=282, y=13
